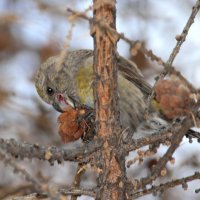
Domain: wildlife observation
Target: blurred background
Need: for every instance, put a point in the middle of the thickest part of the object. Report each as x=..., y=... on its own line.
x=31, y=31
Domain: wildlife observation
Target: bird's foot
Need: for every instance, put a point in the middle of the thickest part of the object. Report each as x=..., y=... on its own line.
x=86, y=120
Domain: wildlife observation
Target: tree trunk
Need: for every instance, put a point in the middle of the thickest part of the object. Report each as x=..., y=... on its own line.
x=112, y=175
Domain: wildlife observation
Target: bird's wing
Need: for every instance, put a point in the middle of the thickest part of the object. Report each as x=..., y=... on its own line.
x=130, y=71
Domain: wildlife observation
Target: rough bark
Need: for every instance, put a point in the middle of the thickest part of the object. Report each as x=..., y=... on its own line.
x=112, y=176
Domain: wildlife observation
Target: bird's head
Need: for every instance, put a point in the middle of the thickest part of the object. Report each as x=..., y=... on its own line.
x=55, y=87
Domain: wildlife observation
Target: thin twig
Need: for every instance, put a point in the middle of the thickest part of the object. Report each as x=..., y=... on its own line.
x=64, y=51
x=184, y=33
x=165, y=186
x=77, y=180
x=51, y=154
x=6, y=190
x=75, y=191
x=158, y=136
x=34, y=196
x=104, y=26
x=176, y=139
x=9, y=161
x=161, y=136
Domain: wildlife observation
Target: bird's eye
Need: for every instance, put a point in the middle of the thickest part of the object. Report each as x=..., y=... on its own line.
x=50, y=91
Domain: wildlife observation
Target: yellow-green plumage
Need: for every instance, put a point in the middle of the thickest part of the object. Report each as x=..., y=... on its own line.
x=83, y=80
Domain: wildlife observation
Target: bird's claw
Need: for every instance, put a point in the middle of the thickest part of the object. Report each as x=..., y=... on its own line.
x=85, y=119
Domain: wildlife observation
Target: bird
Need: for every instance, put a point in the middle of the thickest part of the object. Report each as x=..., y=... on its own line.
x=71, y=85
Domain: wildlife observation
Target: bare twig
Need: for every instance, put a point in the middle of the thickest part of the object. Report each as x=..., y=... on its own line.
x=78, y=192
x=106, y=27
x=176, y=139
x=6, y=190
x=165, y=186
x=77, y=180
x=22, y=171
x=181, y=38
x=64, y=51
x=34, y=196
x=9, y=161
x=51, y=154
x=161, y=136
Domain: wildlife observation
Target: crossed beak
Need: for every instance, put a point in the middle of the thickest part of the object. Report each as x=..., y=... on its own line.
x=62, y=103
